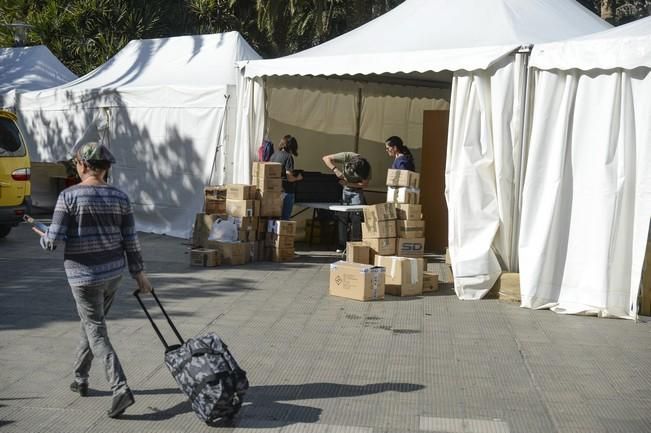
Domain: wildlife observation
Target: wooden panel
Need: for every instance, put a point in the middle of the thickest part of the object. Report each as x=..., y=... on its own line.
x=432, y=179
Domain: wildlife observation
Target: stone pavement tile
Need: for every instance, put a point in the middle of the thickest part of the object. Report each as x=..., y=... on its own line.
x=576, y=416
x=21, y=419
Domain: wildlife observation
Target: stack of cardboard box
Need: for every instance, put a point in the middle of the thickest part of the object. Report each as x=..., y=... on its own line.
x=266, y=176
x=279, y=240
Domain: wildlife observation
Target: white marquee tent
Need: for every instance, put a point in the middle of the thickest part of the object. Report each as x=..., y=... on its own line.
x=25, y=69
x=169, y=111
x=587, y=193
x=377, y=80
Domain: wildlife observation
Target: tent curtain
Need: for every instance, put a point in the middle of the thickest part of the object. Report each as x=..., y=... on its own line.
x=250, y=127
x=481, y=174
x=587, y=193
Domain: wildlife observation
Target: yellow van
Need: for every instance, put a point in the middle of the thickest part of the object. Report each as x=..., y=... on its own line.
x=15, y=172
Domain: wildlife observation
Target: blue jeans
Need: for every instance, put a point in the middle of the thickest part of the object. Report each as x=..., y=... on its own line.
x=288, y=205
x=93, y=303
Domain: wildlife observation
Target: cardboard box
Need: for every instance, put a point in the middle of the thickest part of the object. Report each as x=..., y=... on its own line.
x=201, y=230
x=279, y=227
x=215, y=192
x=236, y=191
x=232, y=253
x=282, y=254
x=357, y=281
x=378, y=229
x=262, y=225
x=402, y=178
x=403, y=195
x=430, y=282
x=358, y=252
x=204, y=257
x=215, y=206
x=271, y=206
x=242, y=208
x=409, y=211
x=411, y=229
x=266, y=170
x=507, y=287
x=380, y=212
x=404, y=275
x=410, y=247
x=246, y=223
x=382, y=246
x=280, y=241
x=271, y=185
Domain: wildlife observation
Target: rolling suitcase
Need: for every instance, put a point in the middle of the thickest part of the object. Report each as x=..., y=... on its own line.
x=205, y=371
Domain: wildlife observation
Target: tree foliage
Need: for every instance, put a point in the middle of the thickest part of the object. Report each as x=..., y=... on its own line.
x=86, y=33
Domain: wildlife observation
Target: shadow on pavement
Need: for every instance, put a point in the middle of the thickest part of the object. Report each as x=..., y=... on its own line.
x=266, y=407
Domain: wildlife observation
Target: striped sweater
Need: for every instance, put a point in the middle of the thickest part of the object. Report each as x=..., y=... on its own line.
x=97, y=225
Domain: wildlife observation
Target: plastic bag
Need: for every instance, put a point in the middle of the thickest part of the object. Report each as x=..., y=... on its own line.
x=223, y=231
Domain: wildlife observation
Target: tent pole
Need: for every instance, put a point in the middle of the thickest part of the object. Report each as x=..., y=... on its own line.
x=219, y=134
x=358, y=121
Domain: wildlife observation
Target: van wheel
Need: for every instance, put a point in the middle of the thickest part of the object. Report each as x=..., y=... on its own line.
x=4, y=231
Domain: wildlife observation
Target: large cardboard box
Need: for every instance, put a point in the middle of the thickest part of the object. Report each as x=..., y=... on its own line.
x=409, y=211
x=403, y=195
x=357, y=281
x=380, y=212
x=430, y=282
x=246, y=223
x=202, y=225
x=279, y=227
x=215, y=192
x=266, y=170
x=282, y=254
x=215, y=206
x=262, y=225
x=411, y=229
x=204, y=257
x=358, y=252
x=378, y=229
x=410, y=247
x=280, y=241
x=382, y=246
x=404, y=275
x=242, y=208
x=232, y=253
x=268, y=186
x=402, y=178
x=271, y=206
x=236, y=191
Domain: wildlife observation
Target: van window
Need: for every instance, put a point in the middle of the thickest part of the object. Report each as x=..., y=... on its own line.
x=10, y=142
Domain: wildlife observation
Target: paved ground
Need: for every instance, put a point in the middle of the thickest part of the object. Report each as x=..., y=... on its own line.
x=317, y=363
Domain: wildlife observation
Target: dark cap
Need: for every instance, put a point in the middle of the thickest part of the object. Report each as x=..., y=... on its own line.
x=93, y=151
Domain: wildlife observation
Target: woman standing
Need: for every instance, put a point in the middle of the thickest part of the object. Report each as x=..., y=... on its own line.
x=402, y=157
x=288, y=149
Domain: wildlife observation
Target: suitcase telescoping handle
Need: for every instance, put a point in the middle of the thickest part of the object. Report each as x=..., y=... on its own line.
x=153, y=324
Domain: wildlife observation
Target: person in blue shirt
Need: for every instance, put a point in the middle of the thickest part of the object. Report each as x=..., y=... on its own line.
x=403, y=159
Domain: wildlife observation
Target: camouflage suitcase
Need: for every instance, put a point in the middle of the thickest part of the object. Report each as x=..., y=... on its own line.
x=205, y=370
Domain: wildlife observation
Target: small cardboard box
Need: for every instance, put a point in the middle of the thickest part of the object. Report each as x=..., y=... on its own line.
x=202, y=225
x=357, y=281
x=232, y=253
x=411, y=229
x=246, y=223
x=242, y=208
x=404, y=275
x=380, y=212
x=266, y=170
x=281, y=241
x=403, y=195
x=236, y=191
x=430, y=282
x=271, y=206
x=378, y=229
x=215, y=206
x=204, y=257
x=358, y=252
x=414, y=247
x=409, y=211
x=402, y=178
x=262, y=225
x=282, y=254
x=270, y=185
x=279, y=227
x=507, y=287
x=382, y=246
x=215, y=192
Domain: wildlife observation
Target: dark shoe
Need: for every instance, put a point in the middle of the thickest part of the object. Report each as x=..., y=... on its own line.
x=81, y=388
x=120, y=403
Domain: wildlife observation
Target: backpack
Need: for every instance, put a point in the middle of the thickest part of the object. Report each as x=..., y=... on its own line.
x=265, y=150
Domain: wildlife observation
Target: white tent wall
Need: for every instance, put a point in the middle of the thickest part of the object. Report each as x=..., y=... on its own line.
x=587, y=195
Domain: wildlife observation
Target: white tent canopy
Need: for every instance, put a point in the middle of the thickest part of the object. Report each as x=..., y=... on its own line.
x=29, y=68
x=587, y=194
x=423, y=44
x=167, y=105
